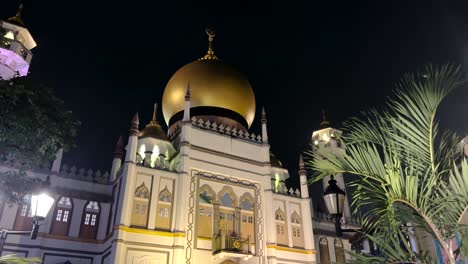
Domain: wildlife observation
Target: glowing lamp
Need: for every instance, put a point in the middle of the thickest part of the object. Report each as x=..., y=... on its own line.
x=40, y=205
x=334, y=198
x=325, y=137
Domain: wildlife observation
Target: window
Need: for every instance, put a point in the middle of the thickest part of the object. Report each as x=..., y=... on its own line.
x=247, y=205
x=244, y=219
x=93, y=220
x=279, y=215
x=295, y=218
x=86, y=222
x=62, y=213
x=339, y=251
x=250, y=218
x=59, y=215
x=202, y=211
x=222, y=216
x=324, y=252
x=205, y=220
x=165, y=196
x=281, y=232
x=226, y=200
x=141, y=201
x=65, y=216
x=24, y=215
x=89, y=224
x=24, y=209
x=163, y=218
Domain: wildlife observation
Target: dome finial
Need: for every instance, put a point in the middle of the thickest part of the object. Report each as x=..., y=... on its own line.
x=325, y=123
x=210, y=54
x=154, y=120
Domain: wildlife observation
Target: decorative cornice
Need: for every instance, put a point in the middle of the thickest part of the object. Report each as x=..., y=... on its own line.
x=149, y=232
x=295, y=250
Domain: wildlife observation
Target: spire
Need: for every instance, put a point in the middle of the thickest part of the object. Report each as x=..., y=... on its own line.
x=264, y=119
x=325, y=123
x=301, y=165
x=186, y=117
x=264, y=127
x=118, y=151
x=17, y=18
x=135, y=123
x=303, y=178
x=210, y=53
x=154, y=120
x=187, y=93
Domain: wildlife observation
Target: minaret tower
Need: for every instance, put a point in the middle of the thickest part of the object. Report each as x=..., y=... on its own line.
x=15, y=47
x=329, y=137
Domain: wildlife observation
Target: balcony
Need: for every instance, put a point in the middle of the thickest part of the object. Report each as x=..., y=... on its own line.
x=230, y=247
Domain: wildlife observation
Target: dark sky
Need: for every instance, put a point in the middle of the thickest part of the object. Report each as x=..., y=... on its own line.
x=109, y=59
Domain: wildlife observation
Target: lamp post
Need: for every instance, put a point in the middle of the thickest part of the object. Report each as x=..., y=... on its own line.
x=334, y=200
x=40, y=206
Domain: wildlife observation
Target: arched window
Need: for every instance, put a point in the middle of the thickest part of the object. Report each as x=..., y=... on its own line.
x=339, y=251
x=90, y=221
x=296, y=227
x=23, y=219
x=281, y=230
x=247, y=216
x=324, y=252
x=164, y=209
x=62, y=216
x=228, y=201
x=206, y=197
x=140, y=206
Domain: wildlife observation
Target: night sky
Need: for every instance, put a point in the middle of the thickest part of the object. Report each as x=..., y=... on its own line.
x=109, y=59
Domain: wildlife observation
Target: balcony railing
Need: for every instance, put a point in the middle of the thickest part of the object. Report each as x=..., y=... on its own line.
x=231, y=244
x=17, y=47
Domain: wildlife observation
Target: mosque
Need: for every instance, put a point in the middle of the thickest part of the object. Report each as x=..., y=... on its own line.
x=206, y=191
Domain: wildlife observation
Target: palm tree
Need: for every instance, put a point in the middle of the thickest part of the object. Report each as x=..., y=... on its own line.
x=13, y=259
x=410, y=173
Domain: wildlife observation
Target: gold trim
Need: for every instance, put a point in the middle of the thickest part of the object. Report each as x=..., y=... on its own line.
x=295, y=250
x=205, y=238
x=149, y=232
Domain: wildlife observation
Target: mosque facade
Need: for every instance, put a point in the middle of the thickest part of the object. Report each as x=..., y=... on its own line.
x=206, y=191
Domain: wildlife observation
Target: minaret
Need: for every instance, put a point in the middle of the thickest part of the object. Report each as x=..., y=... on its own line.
x=264, y=127
x=117, y=161
x=187, y=105
x=15, y=47
x=128, y=176
x=303, y=178
x=329, y=137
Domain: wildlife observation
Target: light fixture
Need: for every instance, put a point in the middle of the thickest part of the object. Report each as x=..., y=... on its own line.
x=334, y=200
x=40, y=205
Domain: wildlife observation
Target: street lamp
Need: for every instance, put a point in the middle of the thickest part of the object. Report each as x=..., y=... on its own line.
x=334, y=200
x=40, y=206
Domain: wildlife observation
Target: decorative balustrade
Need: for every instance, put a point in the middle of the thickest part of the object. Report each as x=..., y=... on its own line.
x=321, y=216
x=83, y=174
x=207, y=125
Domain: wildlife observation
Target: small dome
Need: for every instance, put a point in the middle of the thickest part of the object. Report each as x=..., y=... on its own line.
x=216, y=89
x=153, y=129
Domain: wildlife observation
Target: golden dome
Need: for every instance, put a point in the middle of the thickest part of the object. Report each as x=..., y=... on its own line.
x=213, y=84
